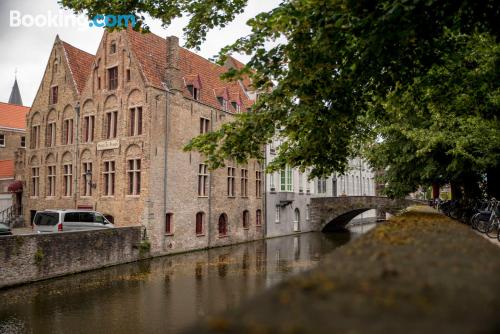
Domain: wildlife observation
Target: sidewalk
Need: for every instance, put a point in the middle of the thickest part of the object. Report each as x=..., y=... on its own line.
x=421, y=272
x=22, y=230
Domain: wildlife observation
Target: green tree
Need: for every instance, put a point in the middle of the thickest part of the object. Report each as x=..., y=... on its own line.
x=444, y=127
x=334, y=73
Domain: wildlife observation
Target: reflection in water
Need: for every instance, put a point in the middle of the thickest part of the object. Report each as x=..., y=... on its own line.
x=161, y=295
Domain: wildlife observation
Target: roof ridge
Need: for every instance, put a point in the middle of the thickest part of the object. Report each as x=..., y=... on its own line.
x=16, y=105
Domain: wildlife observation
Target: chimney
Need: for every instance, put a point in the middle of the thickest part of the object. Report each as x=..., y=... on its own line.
x=173, y=72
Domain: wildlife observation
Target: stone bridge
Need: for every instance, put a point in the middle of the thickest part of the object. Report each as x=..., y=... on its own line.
x=333, y=213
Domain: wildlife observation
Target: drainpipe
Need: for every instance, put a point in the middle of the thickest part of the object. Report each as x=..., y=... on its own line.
x=264, y=177
x=165, y=151
x=210, y=175
x=77, y=152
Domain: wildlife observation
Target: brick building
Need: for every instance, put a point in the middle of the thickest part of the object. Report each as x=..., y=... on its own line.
x=107, y=132
x=12, y=140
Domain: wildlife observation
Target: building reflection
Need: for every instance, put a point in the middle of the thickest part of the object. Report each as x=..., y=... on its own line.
x=164, y=294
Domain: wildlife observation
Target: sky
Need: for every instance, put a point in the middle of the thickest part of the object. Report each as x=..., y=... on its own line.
x=25, y=50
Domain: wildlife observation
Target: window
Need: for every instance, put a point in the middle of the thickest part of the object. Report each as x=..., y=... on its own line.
x=2, y=140
x=195, y=92
x=50, y=134
x=51, y=181
x=68, y=131
x=223, y=102
x=88, y=129
x=308, y=186
x=128, y=74
x=308, y=212
x=111, y=124
x=204, y=125
x=258, y=218
x=67, y=180
x=87, y=181
x=286, y=180
x=23, y=141
x=222, y=225
x=230, y=181
x=200, y=217
x=134, y=176
x=135, y=121
x=258, y=184
x=277, y=214
x=98, y=82
x=202, y=180
x=246, y=219
x=112, y=47
x=272, y=148
x=236, y=106
x=113, y=78
x=35, y=136
x=244, y=183
x=35, y=181
x=169, y=223
x=54, y=91
x=271, y=182
x=109, y=178
x=321, y=186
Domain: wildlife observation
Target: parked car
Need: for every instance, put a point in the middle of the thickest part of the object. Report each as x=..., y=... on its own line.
x=5, y=230
x=50, y=221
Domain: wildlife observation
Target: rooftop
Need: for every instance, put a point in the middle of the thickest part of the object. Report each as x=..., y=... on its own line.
x=13, y=116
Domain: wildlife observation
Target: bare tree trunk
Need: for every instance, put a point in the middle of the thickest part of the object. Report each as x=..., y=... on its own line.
x=493, y=179
x=435, y=190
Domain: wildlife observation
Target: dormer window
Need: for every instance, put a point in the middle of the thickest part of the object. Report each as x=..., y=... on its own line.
x=112, y=47
x=194, y=91
x=222, y=102
x=236, y=106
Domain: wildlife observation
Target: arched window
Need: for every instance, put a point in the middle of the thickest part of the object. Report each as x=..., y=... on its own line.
x=169, y=223
x=297, y=215
x=246, y=219
x=258, y=218
x=112, y=47
x=200, y=217
x=296, y=221
x=222, y=225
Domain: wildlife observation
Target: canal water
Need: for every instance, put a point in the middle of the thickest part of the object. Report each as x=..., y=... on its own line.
x=163, y=295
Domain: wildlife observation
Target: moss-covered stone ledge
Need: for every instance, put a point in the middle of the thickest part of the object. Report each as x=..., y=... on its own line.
x=420, y=272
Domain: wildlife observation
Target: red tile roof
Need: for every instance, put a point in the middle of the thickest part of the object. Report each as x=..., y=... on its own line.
x=80, y=63
x=13, y=116
x=151, y=52
x=6, y=169
x=245, y=80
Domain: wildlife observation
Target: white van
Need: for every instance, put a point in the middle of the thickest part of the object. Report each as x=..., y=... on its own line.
x=50, y=221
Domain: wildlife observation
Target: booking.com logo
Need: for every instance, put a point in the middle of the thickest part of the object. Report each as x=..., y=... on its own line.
x=61, y=19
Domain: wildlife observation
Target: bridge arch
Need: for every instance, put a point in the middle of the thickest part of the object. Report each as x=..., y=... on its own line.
x=333, y=213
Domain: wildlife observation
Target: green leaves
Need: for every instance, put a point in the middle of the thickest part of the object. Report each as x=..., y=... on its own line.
x=413, y=82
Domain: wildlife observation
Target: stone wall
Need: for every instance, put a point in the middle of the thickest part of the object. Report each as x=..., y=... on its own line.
x=27, y=258
x=329, y=209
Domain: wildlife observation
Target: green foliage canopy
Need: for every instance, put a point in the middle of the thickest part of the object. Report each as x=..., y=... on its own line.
x=338, y=75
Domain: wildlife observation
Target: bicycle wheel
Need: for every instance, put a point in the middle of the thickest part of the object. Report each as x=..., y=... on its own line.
x=483, y=226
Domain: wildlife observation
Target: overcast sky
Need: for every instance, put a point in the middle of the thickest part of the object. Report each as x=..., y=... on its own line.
x=27, y=48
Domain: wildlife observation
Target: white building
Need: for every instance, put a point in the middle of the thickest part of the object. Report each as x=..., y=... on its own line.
x=289, y=192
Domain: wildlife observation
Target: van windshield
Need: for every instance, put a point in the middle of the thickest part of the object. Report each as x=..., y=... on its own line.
x=46, y=218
